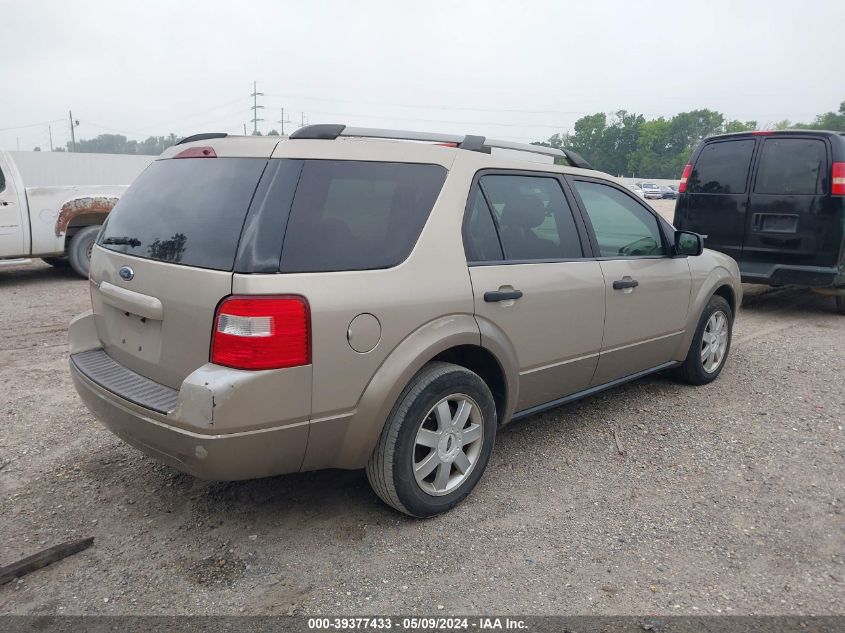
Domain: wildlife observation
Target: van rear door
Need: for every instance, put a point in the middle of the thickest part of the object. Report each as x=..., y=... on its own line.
x=792, y=219
x=164, y=260
x=716, y=200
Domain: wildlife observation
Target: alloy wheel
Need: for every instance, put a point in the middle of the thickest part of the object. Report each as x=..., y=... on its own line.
x=448, y=444
x=714, y=342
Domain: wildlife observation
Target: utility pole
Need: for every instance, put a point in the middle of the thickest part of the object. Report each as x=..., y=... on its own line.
x=73, y=124
x=255, y=107
x=303, y=120
x=50, y=130
x=244, y=129
x=282, y=121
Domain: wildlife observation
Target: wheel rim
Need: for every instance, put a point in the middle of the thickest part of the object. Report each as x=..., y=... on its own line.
x=714, y=342
x=448, y=444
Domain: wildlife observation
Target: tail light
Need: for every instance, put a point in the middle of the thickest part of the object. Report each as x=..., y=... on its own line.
x=197, y=152
x=684, y=177
x=266, y=332
x=837, y=186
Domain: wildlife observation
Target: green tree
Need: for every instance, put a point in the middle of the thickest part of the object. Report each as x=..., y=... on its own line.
x=830, y=120
x=119, y=144
x=740, y=126
x=654, y=156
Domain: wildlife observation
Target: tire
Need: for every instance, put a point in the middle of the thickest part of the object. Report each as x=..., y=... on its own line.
x=840, y=304
x=695, y=370
x=79, y=249
x=56, y=262
x=419, y=416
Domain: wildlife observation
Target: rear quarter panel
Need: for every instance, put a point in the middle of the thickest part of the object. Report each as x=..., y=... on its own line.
x=423, y=306
x=52, y=209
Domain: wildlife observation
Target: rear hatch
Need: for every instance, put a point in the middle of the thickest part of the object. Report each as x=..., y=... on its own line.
x=164, y=260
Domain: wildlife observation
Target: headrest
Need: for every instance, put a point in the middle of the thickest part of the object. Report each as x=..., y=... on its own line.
x=523, y=212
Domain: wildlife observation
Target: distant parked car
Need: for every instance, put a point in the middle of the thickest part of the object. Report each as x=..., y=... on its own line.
x=650, y=190
x=669, y=192
x=637, y=190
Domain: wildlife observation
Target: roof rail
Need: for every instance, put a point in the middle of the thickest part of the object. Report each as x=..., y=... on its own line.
x=202, y=137
x=469, y=142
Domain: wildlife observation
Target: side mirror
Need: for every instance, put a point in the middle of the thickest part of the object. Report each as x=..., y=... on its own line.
x=688, y=243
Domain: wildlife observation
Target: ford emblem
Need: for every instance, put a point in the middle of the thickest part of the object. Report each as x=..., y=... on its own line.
x=126, y=273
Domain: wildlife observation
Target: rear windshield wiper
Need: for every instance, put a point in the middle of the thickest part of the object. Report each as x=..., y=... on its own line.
x=125, y=241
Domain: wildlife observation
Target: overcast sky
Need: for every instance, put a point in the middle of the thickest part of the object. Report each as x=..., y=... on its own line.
x=520, y=70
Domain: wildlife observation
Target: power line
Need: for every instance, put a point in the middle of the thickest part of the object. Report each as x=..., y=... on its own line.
x=20, y=127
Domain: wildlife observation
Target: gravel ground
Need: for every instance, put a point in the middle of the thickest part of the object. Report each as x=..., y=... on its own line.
x=728, y=499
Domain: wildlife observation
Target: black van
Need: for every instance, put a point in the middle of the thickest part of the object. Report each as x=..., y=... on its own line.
x=774, y=201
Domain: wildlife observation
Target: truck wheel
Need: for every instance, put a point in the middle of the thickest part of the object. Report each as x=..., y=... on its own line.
x=79, y=249
x=436, y=442
x=56, y=262
x=710, y=344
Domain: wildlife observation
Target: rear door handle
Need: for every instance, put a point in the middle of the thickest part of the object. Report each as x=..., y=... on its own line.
x=502, y=295
x=621, y=284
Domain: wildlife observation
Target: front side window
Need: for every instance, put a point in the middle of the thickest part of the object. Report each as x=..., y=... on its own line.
x=721, y=167
x=357, y=215
x=533, y=217
x=623, y=228
x=2, y=181
x=791, y=166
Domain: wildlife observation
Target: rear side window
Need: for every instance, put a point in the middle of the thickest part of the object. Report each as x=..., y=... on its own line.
x=186, y=211
x=481, y=240
x=356, y=215
x=722, y=167
x=533, y=217
x=791, y=166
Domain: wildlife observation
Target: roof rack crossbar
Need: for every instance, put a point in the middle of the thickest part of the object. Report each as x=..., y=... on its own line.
x=469, y=142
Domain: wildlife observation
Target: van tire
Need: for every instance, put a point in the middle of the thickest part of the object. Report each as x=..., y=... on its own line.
x=840, y=304
x=79, y=249
x=692, y=370
x=390, y=469
x=56, y=262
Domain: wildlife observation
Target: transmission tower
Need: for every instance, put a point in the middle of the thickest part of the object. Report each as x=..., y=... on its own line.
x=255, y=107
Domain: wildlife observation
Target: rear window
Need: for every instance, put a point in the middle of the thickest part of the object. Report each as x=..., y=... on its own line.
x=722, y=168
x=791, y=166
x=186, y=211
x=355, y=215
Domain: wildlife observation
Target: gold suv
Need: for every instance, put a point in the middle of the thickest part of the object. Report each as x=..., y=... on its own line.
x=379, y=299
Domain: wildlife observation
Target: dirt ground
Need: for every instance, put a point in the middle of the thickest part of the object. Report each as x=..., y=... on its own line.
x=728, y=499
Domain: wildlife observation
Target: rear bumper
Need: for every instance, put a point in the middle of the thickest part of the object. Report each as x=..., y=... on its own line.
x=222, y=424
x=789, y=275
x=231, y=456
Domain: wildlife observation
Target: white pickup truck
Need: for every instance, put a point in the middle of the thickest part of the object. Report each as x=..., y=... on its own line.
x=52, y=204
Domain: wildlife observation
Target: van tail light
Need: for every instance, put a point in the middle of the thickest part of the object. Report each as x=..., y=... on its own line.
x=837, y=186
x=684, y=177
x=265, y=332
